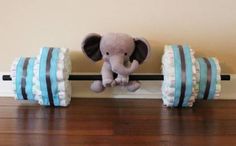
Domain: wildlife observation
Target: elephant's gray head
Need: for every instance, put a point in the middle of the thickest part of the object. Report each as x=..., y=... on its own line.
x=116, y=48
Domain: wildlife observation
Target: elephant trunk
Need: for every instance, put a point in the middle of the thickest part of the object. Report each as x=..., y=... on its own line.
x=117, y=65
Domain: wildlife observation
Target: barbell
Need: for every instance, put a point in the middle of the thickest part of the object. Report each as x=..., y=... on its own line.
x=46, y=78
x=141, y=77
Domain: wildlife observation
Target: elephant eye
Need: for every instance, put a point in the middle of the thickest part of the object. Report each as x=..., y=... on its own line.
x=125, y=54
x=107, y=53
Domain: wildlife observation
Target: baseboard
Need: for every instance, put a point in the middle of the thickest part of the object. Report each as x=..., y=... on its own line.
x=149, y=89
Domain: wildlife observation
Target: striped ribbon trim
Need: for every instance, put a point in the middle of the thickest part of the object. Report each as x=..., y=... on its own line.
x=23, y=78
x=48, y=78
x=183, y=75
x=208, y=83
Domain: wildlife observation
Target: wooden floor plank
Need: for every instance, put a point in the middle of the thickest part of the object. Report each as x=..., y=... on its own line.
x=61, y=140
x=117, y=122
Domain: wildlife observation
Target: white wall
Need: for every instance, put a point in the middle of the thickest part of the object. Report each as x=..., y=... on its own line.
x=207, y=25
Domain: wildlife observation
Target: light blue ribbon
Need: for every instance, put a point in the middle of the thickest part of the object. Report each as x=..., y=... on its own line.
x=19, y=72
x=189, y=75
x=42, y=76
x=29, y=80
x=53, y=76
x=213, y=79
x=177, y=74
x=203, y=77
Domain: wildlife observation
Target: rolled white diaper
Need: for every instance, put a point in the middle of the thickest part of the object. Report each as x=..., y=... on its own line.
x=22, y=78
x=60, y=68
x=208, y=78
x=173, y=84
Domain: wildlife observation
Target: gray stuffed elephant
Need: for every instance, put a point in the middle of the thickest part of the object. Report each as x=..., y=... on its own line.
x=122, y=55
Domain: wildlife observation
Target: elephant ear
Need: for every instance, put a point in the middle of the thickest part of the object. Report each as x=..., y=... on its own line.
x=141, y=51
x=90, y=46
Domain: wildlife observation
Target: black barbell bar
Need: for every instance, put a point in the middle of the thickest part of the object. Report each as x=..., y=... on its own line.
x=83, y=77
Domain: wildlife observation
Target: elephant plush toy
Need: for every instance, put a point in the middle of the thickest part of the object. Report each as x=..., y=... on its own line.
x=121, y=54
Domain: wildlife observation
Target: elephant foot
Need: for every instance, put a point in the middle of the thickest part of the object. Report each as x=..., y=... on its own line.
x=113, y=83
x=118, y=80
x=122, y=81
x=133, y=86
x=107, y=82
x=97, y=86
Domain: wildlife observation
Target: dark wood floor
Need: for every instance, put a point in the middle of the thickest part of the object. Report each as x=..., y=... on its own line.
x=117, y=122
